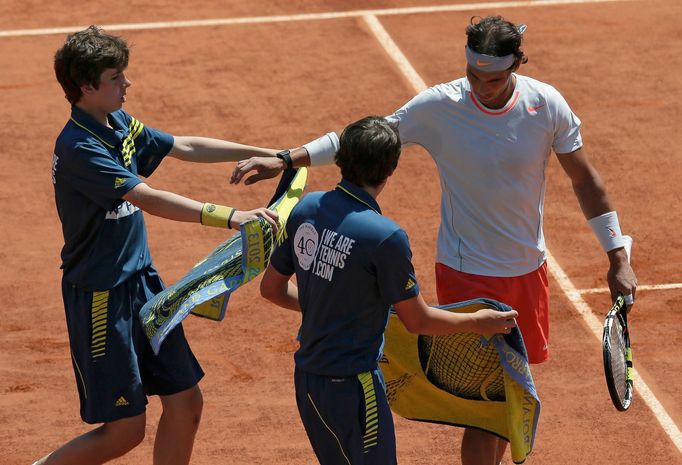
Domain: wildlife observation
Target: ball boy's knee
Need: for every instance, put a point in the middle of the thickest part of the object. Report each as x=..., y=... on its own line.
x=187, y=404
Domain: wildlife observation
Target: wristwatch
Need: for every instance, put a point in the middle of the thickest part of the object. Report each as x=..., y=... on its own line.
x=285, y=156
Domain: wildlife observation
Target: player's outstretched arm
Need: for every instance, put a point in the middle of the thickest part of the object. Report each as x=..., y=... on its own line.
x=320, y=151
x=267, y=167
x=207, y=150
x=278, y=289
x=176, y=207
x=591, y=194
x=419, y=318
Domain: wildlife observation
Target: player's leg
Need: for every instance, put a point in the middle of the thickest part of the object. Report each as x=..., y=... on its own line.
x=529, y=295
x=101, y=444
x=481, y=448
x=177, y=427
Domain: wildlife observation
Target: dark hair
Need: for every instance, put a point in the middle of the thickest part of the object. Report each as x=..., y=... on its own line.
x=83, y=58
x=369, y=151
x=495, y=36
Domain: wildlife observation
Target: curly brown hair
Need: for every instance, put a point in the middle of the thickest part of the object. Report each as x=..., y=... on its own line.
x=495, y=36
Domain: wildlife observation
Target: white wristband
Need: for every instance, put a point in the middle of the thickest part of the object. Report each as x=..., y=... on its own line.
x=323, y=149
x=607, y=230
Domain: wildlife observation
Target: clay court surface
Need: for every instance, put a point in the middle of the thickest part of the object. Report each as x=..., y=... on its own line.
x=281, y=83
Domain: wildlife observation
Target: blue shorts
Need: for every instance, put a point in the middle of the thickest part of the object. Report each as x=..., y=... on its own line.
x=347, y=419
x=113, y=361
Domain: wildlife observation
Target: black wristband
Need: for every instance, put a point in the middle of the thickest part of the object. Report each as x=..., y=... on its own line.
x=229, y=218
x=285, y=156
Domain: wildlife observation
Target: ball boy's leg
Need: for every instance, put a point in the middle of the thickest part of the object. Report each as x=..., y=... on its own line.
x=101, y=444
x=177, y=427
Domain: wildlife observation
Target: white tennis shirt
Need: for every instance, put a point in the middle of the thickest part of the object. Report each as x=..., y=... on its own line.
x=492, y=170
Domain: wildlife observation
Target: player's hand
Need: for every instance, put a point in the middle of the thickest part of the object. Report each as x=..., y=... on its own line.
x=489, y=321
x=240, y=217
x=265, y=168
x=621, y=277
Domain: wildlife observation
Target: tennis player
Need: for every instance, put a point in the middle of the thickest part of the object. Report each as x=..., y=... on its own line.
x=351, y=264
x=108, y=271
x=490, y=134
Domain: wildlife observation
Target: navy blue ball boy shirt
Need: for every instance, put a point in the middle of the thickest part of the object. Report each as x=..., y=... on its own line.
x=93, y=167
x=351, y=264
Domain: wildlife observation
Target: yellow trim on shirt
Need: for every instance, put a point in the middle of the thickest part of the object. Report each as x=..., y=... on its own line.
x=128, y=149
x=341, y=188
x=98, y=137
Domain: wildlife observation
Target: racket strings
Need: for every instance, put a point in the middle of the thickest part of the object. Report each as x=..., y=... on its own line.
x=459, y=364
x=618, y=357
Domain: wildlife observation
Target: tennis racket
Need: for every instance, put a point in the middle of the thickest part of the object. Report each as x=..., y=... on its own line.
x=618, y=355
x=461, y=365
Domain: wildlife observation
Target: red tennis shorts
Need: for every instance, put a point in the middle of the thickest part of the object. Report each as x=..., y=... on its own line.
x=528, y=294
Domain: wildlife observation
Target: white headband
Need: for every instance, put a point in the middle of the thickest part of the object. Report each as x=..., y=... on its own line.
x=488, y=63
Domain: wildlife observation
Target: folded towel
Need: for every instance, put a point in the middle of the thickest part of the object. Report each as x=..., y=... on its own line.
x=464, y=379
x=206, y=289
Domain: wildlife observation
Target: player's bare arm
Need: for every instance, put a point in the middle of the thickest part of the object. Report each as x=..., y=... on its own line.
x=591, y=194
x=178, y=208
x=207, y=150
x=419, y=318
x=587, y=184
x=278, y=289
x=267, y=167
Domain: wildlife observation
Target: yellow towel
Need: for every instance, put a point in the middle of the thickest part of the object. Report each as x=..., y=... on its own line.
x=464, y=379
x=206, y=288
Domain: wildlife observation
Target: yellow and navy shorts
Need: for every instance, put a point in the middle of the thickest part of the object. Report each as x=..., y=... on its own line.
x=113, y=361
x=347, y=419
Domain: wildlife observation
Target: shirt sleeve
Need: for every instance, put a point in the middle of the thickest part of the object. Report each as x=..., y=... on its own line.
x=413, y=119
x=395, y=273
x=92, y=171
x=154, y=146
x=567, y=136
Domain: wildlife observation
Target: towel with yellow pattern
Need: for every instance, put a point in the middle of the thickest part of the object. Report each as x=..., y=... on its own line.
x=206, y=289
x=464, y=379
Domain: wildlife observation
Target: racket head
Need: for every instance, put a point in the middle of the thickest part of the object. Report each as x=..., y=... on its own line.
x=618, y=355
x=460, y=364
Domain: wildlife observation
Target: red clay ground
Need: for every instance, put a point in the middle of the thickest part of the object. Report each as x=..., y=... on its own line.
x=281, y=84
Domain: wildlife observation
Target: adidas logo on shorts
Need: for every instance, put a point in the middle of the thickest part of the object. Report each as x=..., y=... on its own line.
x=121, y=402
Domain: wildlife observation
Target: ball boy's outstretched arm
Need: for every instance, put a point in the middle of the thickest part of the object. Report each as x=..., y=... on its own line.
x=419, y=318
x=176, y=207
x=207, y=150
